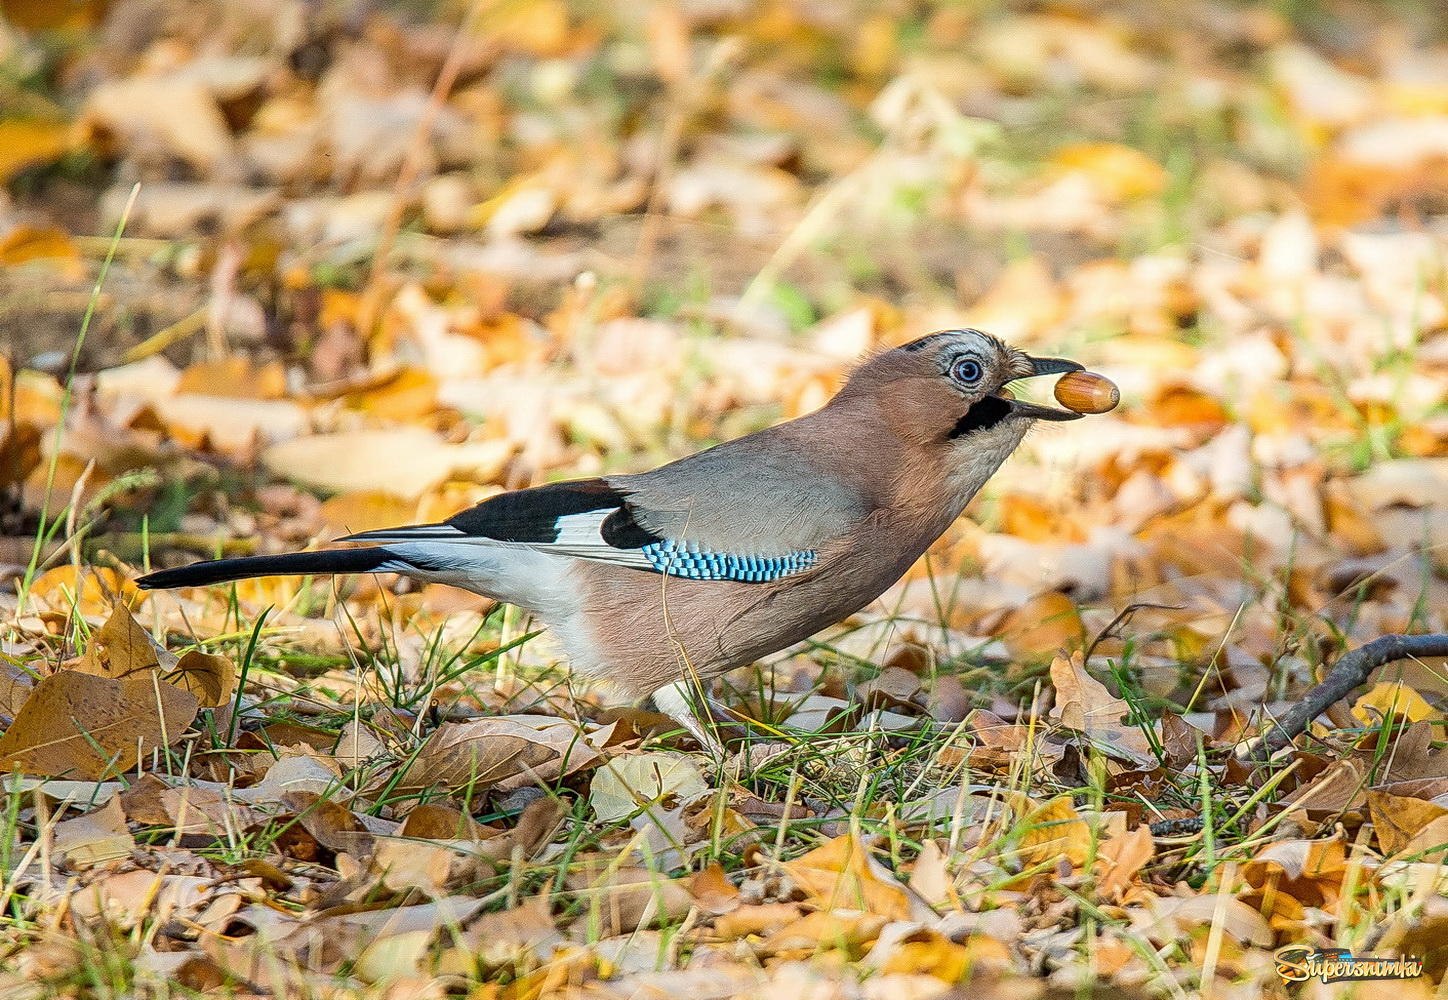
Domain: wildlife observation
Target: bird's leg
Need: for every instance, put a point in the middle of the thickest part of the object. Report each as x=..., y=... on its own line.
x=677, y=701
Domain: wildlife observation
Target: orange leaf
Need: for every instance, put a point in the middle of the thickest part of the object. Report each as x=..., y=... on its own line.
x=1043, y=626
x=843, y=874
x=27, y=243
x=25, y=144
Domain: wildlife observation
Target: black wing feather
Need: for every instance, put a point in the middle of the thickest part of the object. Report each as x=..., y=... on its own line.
x=532, y=515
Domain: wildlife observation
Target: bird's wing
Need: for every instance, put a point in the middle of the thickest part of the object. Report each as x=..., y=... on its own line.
x=661, y=524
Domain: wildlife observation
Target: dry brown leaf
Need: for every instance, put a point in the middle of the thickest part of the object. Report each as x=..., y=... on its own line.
x=403, y=865
x=209, y=676
x=121, y=648
x=333, y=825
x=126, y=899
x=1084, y=704
x=619, y=900
x=1397, y=819
x=95, y=838
x=1119, y=859
x=436, y=821
x=519, y=937
x=713, y=891
x=15, y=686
x=503, y=752
x=190, y=807
x=83, y=726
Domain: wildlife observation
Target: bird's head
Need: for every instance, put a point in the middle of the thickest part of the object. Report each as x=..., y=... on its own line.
x=948, y=391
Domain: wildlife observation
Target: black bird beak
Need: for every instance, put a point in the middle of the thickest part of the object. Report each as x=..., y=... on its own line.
x=1044, y=366
x=1054, y=366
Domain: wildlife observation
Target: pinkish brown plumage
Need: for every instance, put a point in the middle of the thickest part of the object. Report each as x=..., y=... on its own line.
x=733, y=553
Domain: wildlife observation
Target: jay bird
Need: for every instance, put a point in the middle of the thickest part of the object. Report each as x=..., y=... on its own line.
x=728, y=555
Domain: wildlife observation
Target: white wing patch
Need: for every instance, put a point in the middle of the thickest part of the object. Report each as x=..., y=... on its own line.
x=581, y=535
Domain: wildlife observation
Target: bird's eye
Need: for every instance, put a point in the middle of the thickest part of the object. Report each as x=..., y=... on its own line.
x=966, y=371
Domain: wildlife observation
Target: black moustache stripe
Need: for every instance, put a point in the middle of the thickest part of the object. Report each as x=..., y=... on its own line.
x=984, y=415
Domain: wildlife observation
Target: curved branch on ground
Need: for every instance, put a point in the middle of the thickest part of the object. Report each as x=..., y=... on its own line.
x=1348, y=673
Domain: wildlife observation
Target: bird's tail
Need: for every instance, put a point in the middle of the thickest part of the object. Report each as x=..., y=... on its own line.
x=324, y=561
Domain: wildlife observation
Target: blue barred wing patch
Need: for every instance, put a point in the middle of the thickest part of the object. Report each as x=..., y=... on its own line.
x=691, y=562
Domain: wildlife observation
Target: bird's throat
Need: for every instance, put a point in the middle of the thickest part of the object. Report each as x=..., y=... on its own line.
x=983, y=415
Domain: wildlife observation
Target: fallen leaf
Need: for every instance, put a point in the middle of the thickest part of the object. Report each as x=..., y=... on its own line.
x=1119, y=859
x=1051, y=831
x=403, y=462
x=209, y=676
x=26, y=144
x=120, y=648
x=1393, y=699
x=28, y=243
x=503, y=752
x=619, y=900
x=1397, y=819
x=848, y=930
x=84, y=726
x=1119, y=172
x=95, y=838
x=1045, y=625
x=843, y=874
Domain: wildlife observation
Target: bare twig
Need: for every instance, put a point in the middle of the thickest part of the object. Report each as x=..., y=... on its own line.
x=1349, y=672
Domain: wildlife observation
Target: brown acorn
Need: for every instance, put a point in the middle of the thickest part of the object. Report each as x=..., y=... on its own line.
x=1087, y=392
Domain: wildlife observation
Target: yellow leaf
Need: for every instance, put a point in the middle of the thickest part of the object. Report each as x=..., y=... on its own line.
x=92, y=589
x=25, y=144
x=1119, y=172
x=234, y=377
x=47, y=15
x=410, y=394
x=364, y=511
x=27, y=243
x=1396, y=699
x=1051, y=831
